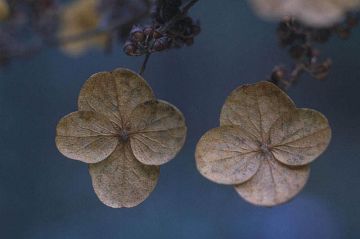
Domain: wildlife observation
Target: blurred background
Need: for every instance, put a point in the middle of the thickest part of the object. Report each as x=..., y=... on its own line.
x=45, y=195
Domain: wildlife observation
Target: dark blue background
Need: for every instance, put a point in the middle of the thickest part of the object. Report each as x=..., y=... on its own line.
x=45, y=195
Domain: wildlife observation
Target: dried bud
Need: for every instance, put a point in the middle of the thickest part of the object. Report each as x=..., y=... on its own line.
x=137, y=34
x=157, y=34
x=148, y=30
x=277, y=75
x=321, y=71
x=161, y=44
x=343, y=33
x=352, y=21
x=196, y=29
x=130, y=48
x=189, y=41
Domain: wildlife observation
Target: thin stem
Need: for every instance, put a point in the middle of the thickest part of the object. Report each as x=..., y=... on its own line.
x=295, y=75
x=189, y=5
x=185, y=9
x=167, y=26
x=143, y=67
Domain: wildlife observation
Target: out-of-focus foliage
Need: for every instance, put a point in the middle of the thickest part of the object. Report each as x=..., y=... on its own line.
x=316, y=13
x=28, y=26
x=78, y=18
x=4, y=10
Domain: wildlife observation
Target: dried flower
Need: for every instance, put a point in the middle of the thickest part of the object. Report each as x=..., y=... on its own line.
x=123, y=133
x=264, y=145
x=80, y=17
x=312, y=12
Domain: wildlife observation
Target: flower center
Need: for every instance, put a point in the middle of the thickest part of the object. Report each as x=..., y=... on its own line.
x=123, y=135
x=264, y=148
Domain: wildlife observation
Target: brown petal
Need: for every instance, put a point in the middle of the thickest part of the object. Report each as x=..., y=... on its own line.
x=159, y=132
x=274, y=183
x=86, y=136
x=227, y=155
x=255, y=108
x=300, y=137
x=114, y=94
x=121, y=180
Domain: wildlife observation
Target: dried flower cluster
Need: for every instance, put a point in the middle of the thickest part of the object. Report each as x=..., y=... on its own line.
x=171, y=28
x=317, y=13
x=263, y=145
x=123, y=133
x=300, y=40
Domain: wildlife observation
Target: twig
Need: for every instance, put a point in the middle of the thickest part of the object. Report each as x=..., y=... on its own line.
x=295, y=75
x=143, y=66
x=185, y=9
x=188, y=6
x=168, y=25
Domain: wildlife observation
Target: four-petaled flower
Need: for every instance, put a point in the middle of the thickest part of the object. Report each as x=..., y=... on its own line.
x=264, y=145
x=123, y=133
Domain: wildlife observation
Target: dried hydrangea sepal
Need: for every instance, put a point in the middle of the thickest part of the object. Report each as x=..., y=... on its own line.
x=159, y=132
x=114, y=94
x=255, y=107
x=305, y=135
x=86, y=136
x=227, y=155
x=274, y=183
x=121, y=180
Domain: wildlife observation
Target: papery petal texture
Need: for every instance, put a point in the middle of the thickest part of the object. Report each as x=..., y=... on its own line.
x=159, y=132
x=86, y=136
